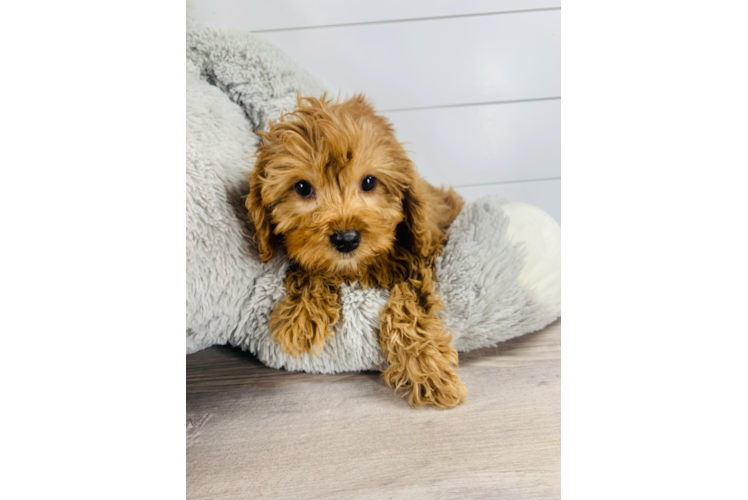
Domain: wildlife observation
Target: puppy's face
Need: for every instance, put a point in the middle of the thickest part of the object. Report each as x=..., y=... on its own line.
x=329, y=183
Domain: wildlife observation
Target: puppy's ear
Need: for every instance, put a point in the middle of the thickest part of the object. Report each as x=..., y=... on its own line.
x=259, y=214
x=422, y=239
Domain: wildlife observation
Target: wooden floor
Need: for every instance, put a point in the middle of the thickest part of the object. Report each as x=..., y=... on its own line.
x=256, y=432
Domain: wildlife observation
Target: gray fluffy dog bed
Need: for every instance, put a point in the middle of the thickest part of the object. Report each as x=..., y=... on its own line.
x=498, y=276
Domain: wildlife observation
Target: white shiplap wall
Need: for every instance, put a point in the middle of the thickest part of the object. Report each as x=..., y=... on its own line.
x=472, y=85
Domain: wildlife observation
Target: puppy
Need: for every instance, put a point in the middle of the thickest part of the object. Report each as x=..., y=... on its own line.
x=334, y=187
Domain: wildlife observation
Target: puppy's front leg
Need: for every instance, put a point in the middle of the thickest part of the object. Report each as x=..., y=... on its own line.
x=420, y=359
x=301, y=321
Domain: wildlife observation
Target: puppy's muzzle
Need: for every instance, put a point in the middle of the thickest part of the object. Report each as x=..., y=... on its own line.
x=346, y=241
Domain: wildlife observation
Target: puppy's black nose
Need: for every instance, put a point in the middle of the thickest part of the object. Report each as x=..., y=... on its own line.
x=346, y=241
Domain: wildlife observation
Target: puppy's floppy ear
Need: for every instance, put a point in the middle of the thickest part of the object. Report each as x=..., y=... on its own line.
x=259, y=214
x=421, y=239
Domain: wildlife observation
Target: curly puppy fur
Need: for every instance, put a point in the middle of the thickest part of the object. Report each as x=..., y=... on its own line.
x=331, y=147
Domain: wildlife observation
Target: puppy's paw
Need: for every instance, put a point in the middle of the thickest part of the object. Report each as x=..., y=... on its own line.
x=443, y=390
x=429, y=378
x=300, y=327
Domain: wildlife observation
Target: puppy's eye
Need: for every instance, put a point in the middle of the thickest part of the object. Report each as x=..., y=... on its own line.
x=304, y=189
x=368, y=183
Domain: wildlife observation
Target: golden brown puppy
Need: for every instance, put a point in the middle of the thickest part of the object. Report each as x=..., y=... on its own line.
x=334, y=186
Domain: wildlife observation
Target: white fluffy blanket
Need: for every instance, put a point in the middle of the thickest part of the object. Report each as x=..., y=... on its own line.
x=499, y=274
